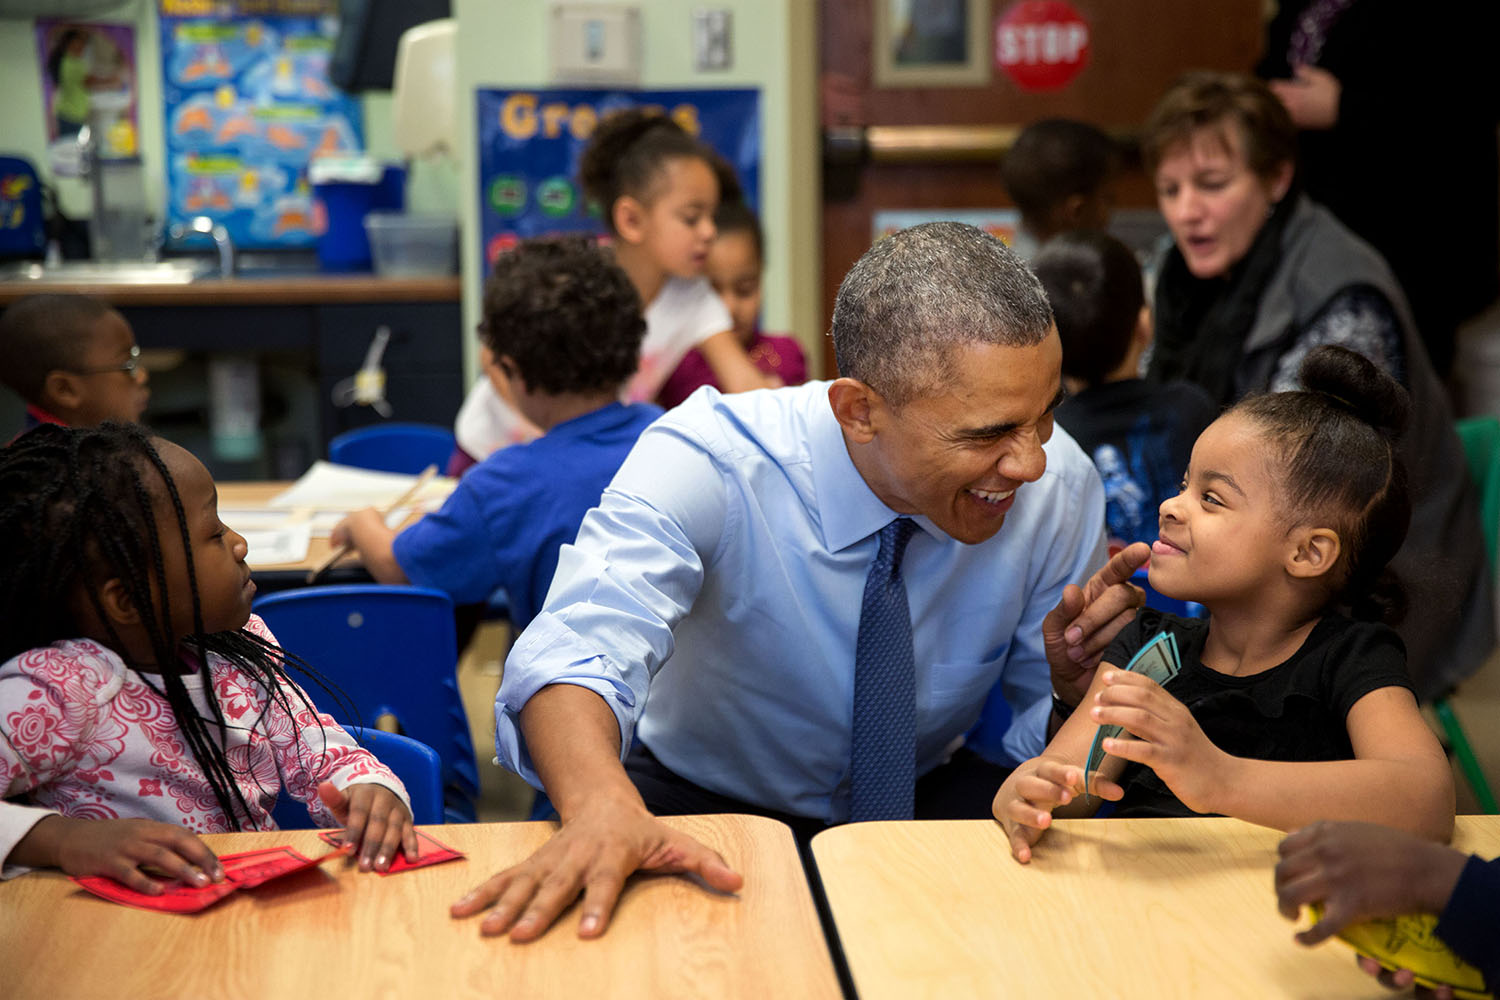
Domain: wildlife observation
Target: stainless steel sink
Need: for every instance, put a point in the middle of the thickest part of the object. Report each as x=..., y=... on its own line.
x=109, y=272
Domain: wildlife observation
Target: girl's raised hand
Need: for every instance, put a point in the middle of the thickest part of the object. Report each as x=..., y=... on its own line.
x=119, y=848
x=1169, y=740
x=375, y=820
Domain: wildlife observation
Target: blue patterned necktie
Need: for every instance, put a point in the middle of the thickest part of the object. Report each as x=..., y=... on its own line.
x=883, y=751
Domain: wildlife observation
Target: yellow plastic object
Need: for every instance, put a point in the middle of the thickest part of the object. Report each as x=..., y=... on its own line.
x=1410, y=942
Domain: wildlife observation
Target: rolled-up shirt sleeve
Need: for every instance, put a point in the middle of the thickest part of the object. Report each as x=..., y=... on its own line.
x=632, y=574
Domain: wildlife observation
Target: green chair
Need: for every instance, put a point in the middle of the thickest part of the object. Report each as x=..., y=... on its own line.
x=1481, y=441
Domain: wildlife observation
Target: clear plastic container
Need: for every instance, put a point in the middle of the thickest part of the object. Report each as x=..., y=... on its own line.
x=404, y=244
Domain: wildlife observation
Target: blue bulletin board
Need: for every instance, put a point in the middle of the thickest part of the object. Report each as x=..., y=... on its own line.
x=248, y=104
x=530, y=142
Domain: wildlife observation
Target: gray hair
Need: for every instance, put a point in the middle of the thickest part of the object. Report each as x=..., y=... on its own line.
x=917, y=294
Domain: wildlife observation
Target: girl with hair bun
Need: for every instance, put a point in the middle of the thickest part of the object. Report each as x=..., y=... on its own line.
x=657, y=188
x=1292, y=703
x=1258, y=277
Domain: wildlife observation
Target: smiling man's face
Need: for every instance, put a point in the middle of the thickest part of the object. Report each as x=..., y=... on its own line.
x=959, y=455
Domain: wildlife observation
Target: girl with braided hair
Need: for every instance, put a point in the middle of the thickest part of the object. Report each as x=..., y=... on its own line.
x=135, y=684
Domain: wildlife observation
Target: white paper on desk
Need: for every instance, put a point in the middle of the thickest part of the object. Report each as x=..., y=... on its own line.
x=327, y=486
x=324, y=521
x=273, y=547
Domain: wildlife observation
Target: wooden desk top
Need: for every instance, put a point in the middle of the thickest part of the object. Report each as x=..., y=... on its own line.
x=260, y=290
x=1108, y=907
x=258, y=494
x=335, y=932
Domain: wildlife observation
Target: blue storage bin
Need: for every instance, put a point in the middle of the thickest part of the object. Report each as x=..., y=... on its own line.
x=346, y=190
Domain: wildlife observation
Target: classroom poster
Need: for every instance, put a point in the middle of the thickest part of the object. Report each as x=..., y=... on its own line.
x=88, y=67
x=248, y=104
x=530, y=142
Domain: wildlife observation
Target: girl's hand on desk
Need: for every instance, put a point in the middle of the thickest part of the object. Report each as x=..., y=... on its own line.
x=119, y=848
x=1025, y=803
x=1169, y=740
x=374, y=819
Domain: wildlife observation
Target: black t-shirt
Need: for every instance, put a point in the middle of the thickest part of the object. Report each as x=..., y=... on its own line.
x=1139, y=435
x=1295, y=711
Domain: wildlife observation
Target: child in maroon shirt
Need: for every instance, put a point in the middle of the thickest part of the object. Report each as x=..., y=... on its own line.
x=734, y=267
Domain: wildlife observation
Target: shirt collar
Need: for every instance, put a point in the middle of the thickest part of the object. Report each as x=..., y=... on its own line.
x=605, y=416
x=849, y=511
x=41, y=416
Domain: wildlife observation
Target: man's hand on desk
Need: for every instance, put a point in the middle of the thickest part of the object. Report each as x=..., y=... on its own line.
x=594, y=852
x=1076, y=633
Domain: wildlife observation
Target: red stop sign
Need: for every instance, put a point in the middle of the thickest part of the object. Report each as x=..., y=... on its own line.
x=1042, y=44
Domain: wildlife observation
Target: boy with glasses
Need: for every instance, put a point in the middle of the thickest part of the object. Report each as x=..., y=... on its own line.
x=73, y=360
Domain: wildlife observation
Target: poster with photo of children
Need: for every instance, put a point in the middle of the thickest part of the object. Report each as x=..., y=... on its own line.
x=88, y=69
x=248, y=105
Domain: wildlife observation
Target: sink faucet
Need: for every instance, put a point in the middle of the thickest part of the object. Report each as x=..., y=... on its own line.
x=204, y=224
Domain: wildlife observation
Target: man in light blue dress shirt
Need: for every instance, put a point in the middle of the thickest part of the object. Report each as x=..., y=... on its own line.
x=724, y=568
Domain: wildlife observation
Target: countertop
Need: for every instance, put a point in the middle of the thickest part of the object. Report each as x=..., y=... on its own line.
x=260, y=289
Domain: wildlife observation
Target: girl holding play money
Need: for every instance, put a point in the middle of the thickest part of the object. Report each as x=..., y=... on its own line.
x=1292, y=702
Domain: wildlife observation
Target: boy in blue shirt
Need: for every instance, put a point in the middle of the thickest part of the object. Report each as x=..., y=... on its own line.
x=561, y=334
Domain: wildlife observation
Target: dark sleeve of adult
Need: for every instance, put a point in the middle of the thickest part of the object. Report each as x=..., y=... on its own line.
x=1374, y=93
x=1273, y=63
x=1470, y=923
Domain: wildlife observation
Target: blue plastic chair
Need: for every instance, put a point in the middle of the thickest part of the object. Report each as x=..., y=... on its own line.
x=416, y=764
x=396, y=447
x=391, y=651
